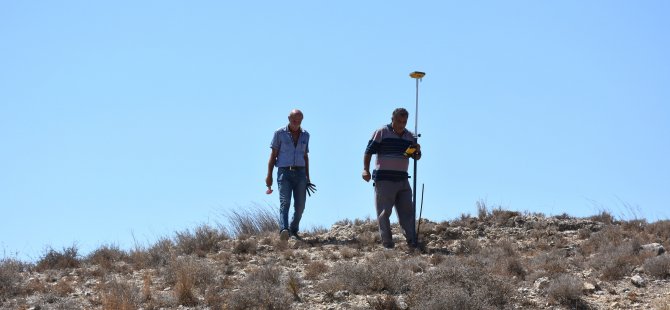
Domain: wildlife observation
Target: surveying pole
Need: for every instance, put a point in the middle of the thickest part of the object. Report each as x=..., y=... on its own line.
x=418, y=76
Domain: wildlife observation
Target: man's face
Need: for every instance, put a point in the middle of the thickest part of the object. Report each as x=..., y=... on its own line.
x=398, y=123
x=295, y=119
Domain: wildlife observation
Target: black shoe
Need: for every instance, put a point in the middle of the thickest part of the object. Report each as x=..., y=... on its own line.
x=295, y=236
x=388, y=245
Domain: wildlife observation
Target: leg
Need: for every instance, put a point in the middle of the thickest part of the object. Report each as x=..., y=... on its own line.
x=299, y=197
x=285, y=189
x=405, y=209
x=384, y=199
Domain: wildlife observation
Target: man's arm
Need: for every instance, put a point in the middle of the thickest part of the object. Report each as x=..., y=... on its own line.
x=366, y=167
x=271, y=166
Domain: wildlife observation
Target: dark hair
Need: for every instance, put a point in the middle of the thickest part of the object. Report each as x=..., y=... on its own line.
x=400, y=112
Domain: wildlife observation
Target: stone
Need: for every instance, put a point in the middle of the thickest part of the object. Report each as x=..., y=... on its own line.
x=654, y=248
x=588, y=287
x=541, y=283
x=638, y=281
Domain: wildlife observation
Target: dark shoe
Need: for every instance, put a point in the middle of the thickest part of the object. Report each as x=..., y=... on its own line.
x=283, y=235
x=388, y=245
x=295, y=236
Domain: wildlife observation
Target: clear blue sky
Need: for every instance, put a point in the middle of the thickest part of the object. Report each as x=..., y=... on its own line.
x=142, y=118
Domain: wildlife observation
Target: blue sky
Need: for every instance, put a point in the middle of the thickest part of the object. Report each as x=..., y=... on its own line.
x=125, y=121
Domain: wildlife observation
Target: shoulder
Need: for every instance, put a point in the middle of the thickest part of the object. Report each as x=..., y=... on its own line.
x=281, y=129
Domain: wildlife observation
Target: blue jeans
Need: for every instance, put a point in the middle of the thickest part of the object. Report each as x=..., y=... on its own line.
x=291, y=182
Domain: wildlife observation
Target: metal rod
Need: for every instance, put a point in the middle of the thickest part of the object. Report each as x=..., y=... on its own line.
x=420, y=212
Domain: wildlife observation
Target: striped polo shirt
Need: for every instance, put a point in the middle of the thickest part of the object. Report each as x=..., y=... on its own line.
x=391, y=164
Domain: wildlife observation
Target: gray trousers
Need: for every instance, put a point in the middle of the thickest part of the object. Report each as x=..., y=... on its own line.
x=398, y=194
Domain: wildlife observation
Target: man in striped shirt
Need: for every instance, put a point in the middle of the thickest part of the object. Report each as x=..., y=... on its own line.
x=390, y=176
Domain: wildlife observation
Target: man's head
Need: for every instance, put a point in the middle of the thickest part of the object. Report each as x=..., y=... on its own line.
x=295, y=119
x=399, y=119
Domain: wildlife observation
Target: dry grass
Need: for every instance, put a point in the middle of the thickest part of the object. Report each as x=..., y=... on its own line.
x=10, y=277
x=658, y=266
x=455, y=285
x=566, y=290
x=204, y=239
x=252, y=221
x=315, y=270
x=384, y=302
x=53, y=259
x=118, y=295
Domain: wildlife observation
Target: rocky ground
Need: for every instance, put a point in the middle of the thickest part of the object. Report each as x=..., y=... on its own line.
x=497, y=260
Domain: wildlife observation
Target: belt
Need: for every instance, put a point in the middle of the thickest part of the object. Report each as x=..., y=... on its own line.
x=293, y=167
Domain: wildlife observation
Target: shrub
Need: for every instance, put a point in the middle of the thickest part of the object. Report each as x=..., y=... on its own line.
x=566, y=290
x=10, y=276
x=53, y=259
x=261, y=290
x=116, y=295
x=245, y=247
x=385, y=302
x=454, y=285
x=203, y=240
x=658, y=266
x=315, y=269
x=616, y=261
x=369, y=277
x=106, y=255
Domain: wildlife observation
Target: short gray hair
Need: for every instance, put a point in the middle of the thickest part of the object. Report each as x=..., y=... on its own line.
x=400, y=112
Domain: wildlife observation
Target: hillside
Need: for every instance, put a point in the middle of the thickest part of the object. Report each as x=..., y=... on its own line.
x=497, y=260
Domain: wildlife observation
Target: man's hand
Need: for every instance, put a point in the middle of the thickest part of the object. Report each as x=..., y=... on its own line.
x=417, y=153
x=366, y=175
x=268, y=181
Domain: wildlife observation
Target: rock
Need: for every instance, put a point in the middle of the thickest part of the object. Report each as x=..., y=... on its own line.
x=638, y=281
x=588, y=288
x=614, y=305
x=541, y=283
x=654, y=248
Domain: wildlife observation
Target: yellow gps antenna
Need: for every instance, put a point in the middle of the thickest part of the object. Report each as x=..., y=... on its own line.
x=418, y=76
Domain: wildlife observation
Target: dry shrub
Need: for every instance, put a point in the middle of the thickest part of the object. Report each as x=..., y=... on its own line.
x=375, y=276
x=549, y=264
x=454, y=285
x=62, y=288
x=106, y=255
x=146, y=287
x=385, y=302
x=53, y=259
x=261, y=290
x=294, y=284
x=204, y=239
x=348, y=253
x=566, y=290
x=315, y=269
x=468, y=246
x=660, y=229
x=248, y=246
x=158, y=255
x=183, y=289
x=188, y=273
x=502, y=217
x=616, y=261
x=10, y=277
x=116, y=295
x=252, y=221
x=658, y=266
x=604, y=217
x=502, y=258
x=604, y=239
